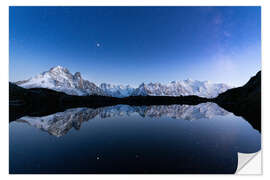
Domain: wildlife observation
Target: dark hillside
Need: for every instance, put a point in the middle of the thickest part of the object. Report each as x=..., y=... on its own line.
x=244, y=101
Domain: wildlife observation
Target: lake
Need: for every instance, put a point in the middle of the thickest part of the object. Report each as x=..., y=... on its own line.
x=180, y=139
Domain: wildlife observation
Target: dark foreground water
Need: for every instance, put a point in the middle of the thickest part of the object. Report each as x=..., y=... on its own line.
x=123, y=139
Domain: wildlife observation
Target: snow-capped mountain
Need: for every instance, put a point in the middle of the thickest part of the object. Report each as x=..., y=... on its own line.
x=184, y=88
x=117, y=90
x=60, y=123
x=60, y=79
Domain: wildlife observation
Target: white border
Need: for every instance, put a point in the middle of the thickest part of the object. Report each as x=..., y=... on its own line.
x=4, y=75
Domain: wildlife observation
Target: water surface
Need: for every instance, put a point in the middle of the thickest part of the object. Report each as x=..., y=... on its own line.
x=132, y=139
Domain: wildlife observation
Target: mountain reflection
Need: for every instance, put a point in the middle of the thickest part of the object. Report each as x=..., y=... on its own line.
x=60, y=123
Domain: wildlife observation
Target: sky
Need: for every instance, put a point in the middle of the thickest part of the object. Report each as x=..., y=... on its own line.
x=131, y=45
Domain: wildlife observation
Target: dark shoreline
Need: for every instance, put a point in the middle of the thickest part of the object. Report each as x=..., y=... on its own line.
x=40, y=102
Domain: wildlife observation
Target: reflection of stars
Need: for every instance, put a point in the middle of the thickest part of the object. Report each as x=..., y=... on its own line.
x=137, y=156
x=98, y=156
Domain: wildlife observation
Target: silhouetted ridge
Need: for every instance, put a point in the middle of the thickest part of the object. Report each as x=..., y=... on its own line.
x=244, y=101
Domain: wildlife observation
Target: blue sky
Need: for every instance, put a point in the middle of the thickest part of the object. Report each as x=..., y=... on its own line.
x=131, y=45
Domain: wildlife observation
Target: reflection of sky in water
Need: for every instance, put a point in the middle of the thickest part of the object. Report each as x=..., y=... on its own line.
x=123, y=139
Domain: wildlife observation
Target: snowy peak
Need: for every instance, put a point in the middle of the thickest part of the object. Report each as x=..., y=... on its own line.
x=60, y=79
x=117, y=90
x=59, y=69
x=77, y=75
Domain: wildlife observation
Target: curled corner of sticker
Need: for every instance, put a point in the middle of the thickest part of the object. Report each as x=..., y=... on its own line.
x=249, y=164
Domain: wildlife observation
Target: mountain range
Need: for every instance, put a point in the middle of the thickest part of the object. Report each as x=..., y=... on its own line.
x=62, y=80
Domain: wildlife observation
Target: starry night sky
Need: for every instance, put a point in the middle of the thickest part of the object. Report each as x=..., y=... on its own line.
x=131, y=45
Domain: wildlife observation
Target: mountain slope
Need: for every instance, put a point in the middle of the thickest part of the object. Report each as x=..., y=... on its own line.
x=244, y=101
x=117, y=90
x=60, y=79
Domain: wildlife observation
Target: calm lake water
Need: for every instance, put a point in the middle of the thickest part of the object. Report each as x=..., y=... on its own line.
x=131, y=139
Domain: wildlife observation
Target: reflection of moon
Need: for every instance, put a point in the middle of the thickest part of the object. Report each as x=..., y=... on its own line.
x=98, y=45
